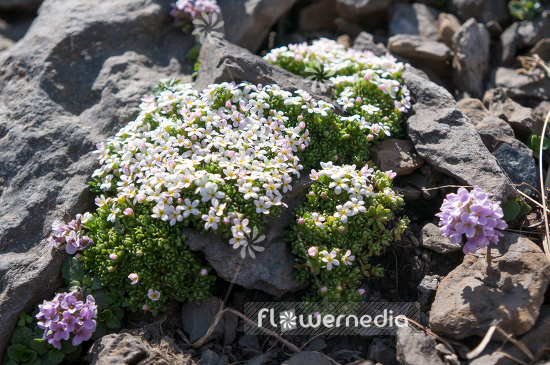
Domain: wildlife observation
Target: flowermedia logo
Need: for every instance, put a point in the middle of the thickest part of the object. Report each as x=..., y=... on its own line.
x=367, y=319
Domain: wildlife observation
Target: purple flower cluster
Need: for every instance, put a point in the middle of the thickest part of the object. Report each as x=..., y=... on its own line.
x=70, y=233
x=187, y=10
x=473, y=214
x=65, y=315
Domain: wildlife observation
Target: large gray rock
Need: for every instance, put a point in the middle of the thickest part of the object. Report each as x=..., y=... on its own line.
x=273, y=269
x=471, y=61
x=521, y=86
x=530, y=32
x=448, y=26
x=445, y=138
x=62, y=90
x=415, y=19
x=509, y=40
x=422, y=52
x=416, y=347
x=247, y=23
x=503, y=284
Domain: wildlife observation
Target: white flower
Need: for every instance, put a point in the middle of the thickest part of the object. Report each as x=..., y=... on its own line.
x=112, y=213
x=190, y=208
x=318, y=220
x=348, y=258
x=211, y=220
x=262, y=206
x=371, y=109
x=330, y=259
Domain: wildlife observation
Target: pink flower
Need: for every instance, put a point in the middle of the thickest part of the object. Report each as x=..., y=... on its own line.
x=128, y=211
x=312, y=251
x=361, y=291
x=391, y=174
x=113, y=256
x=300, y=220
x=204, y=272
x=134, y=277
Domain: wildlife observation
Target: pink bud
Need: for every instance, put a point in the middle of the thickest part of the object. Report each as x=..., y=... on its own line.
x=317, y=314
x=204, y=272
x=193, y=137
x=198, y=114
x=324, y=289
x=302, y=125
x=302, y=146
x=367, y=77
x=113, y=256
x=370, y=137
x=144, y=307
x=171, y=163
x=231, y=154
x=361, y=291
x=228, y=104
x=300, y=117
x=299, y=58
x=180, y=200
x=342, y=229
x=300, y=220
x=335, y=157
x=140, y=197
x=358, y=100
x=128, y=211
x=226, y=220
x=312, y=251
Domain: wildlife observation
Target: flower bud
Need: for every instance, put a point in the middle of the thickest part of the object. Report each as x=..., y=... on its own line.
x=113, y=256
x=312, y=251
x=128, y=211
x=204, y=272
x=324, y=289
x=300, y=220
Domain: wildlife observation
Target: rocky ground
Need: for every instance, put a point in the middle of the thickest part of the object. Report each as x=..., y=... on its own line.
x=72, y=72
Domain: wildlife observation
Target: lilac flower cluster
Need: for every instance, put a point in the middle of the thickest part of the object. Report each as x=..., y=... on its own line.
x=187, y=10
x=70, y=233
x=473, y=214
x=67, y=315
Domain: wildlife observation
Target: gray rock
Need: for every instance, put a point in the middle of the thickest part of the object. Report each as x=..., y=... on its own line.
x=530, y=32
x=5, y=43
x=542, y=48
x=273, y=269
x=422, y=52
x=541, y=111
x=503, y=284
x=18, y=5
x=397, y=155
x=483, y=10
x=408, y=192
x=533, y=86
x=493, y=130
x=471, y=61
x=317, y=344
x=308, y=358
x=520, y=166
x=318, y=15
x=444, y=137
x=230, y=324
x=223, y=61
x=416, y=347
x=432, y=239
x=261, y=359
x=355, y=10
x=116, y=349
x=248, y=22
x=346, y=27
x=429, y=284
x=222, y=360
x=509, y=40
x=62, y=90
x=519, y=117
x=197, y=318
x=365, y=42
x=494, y=28
x=415, y=19
x=250, y=342
x=382, y=352
x=209, y=357
x=448, y=26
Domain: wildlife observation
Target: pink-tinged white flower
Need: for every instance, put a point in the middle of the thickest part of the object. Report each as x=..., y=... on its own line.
x=361, y=291
x=153, y=295
x=113, y=256
x=318, y=220
x=370, y=109
x=330, y=259
x=204, y=272
x=348, y=258
x=211, y=220
x=391, y=174
x=312, y=251
x=128, y=211
x=134, y=278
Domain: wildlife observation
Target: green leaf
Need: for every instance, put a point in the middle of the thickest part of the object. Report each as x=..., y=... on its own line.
x=118, y=313
x=73, y=356
x=39, y=345
x=72, y=270
x=11, y=362
x=100, y=297
x=105, y=315
x=510, y=209
x=34, y=362
x=21, y=335
x=67, y=347
x=29, y=357
x=96, y=284
x=100, y=331
x=86, y=280
x=56, y=357
x=113, y=322
x=15, y=352
x=111, y=298
x=194, y=52
x=534, y=142
x=525, y=208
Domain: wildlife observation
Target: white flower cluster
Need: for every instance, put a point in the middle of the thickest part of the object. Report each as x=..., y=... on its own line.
x=357, y=185
x=185, y=148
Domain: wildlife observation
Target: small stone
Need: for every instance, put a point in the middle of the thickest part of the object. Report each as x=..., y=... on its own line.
x=530, y=32
x=416, y=347
x=344, y=40
x=118, y=348
x=429, y=284
x=432, y=239
x=542, y=48
x=383, y=352
x=397, y=155
x=316, y=344
x=197, y=318
x=261, y=359
x=422, y=52
x=357, y=10
x=520, y=166
x=249, y=341
x=318, y=15
x=483, y=11
x=448, y=26
x=533, y=86
x=471, y=61
x=348, y=27
x=495, y=30
x=365, y=42
x=502, y=284
x=509, y=40
x=223, y=360
x=408, y=192
x=519, y=117
x=426, y=256
x=415, y=19
x=308, y=358
x=209, y=357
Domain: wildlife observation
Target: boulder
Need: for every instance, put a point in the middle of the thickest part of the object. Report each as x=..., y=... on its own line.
x=416, y=347
x=502, y=284
x=519, y=117
x=415, y=19
x=318, y=15
x=522, y=86
x=509, y=40
x=542, y=48
x=483, y=10
x=397, y=155
x=365, y=42
x=197, y=318
x=382, y=351
x=471, y=57
x=422, y=52
x=122, y=348
x=356, y=10
x=5, y=43
x=444, y=137
x=432, y=239
x=247, y=23
x=532, y=31
x=448, y=26
x=62, y=90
